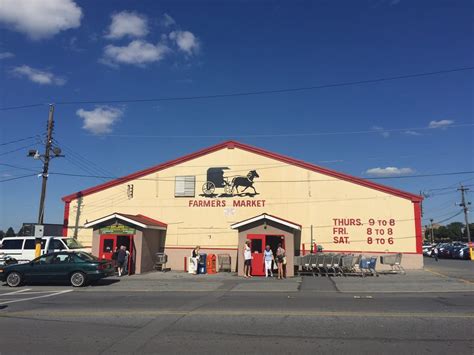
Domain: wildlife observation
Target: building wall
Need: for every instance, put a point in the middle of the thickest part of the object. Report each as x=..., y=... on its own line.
x=286, y=191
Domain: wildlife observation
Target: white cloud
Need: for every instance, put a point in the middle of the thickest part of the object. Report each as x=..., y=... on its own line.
x=100, y=120
x=381, y=130
x=38, y=76
x=127, y=24
x=6, y=55
x=137, y=52
x=440, y=124
x=40, y=18
x=412, y=133
x=167, y=20
x=186, y=41
x=389, y=171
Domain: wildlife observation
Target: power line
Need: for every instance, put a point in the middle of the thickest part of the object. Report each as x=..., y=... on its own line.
x=17, y=167
x=282, y=135
x=17, y=149
x=447, y=219
x=18, y=140
x=248, y=93
x=271, y=181
x=18, y=177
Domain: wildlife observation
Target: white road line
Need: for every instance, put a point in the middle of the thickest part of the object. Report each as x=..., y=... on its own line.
x=34, y=298
x=15, y=292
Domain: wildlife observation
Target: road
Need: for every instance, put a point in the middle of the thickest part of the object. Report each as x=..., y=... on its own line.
x=315, y=318
x=462, y=269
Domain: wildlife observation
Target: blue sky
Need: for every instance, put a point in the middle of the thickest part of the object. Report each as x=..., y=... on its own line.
x=65, y=50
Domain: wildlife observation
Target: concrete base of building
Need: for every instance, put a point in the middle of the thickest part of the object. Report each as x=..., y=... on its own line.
x=177, y=255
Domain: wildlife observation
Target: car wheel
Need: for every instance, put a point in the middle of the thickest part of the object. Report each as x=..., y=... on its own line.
x=78, y=279
x=14, y=279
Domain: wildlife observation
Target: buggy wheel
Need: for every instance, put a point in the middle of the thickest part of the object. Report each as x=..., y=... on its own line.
x=208, y=188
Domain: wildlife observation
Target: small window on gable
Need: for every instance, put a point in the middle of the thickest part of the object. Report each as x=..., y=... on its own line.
x=184, y=186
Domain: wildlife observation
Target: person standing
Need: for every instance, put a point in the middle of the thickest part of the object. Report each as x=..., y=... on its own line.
x=195, y=259
x=114, y=259
x=267, y=260
x=121, y=256
x=127, y=259
x=280, y=256
x=247, y=260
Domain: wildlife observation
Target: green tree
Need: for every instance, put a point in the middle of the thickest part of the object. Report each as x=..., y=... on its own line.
x=10, y=232
x=2, y=234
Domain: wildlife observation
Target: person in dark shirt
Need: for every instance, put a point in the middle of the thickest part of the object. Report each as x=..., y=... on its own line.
x=121, y=256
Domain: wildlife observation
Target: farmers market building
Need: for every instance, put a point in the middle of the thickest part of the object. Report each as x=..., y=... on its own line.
x=223, y=195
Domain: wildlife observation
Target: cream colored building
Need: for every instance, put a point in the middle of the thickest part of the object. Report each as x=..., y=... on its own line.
x=201, y=196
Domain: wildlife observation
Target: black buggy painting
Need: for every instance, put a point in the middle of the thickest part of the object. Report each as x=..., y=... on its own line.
x=216, y=179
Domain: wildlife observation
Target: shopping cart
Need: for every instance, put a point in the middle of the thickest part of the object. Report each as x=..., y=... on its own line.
x=224, y=262
x=395, y=262
x=367, y=266
x=160, y=262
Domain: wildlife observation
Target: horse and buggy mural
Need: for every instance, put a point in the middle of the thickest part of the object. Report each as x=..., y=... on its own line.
x=228, y=186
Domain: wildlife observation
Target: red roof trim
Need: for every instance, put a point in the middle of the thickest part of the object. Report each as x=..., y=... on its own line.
x=248, y=148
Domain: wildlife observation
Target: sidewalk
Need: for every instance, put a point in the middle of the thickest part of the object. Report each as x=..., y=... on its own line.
x=173, y=281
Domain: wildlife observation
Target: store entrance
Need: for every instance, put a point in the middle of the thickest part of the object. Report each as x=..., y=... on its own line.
x=110, y=242
x=257, y=246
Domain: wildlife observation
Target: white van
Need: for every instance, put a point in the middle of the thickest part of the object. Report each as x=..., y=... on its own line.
x=23, y=248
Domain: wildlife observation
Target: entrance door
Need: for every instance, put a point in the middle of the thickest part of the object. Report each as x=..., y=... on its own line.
x=257, y=246
x=107, y=246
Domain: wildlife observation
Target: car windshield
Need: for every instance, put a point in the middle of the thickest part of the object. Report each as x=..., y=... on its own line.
x=73, y=243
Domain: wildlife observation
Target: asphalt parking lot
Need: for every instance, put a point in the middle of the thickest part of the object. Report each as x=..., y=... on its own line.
x=421, y=312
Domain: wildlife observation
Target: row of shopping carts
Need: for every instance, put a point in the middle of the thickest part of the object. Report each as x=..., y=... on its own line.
x=330, y=264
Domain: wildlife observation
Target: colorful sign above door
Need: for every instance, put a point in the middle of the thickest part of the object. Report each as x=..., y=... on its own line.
x=117, y=229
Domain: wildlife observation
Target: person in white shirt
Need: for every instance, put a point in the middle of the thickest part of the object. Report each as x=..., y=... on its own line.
x=247, y=259
x=267, y=260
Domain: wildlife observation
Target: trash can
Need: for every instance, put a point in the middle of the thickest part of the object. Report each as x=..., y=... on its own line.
x=211, y=264
x=202, y=264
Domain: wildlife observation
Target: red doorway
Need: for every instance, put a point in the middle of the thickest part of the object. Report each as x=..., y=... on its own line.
x=108, y=244
x=257, y=246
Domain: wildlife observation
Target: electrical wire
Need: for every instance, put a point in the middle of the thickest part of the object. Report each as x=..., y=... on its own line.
x=124, y=178
x=16, y=167
x=18, y=177
x=18, y=140
x=17, y=149
x=248, y=93
x=282, y=135
x=447, y=219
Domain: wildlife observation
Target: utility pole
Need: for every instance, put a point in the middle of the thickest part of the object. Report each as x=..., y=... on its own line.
x=432, y=233
x=45, y=158
x=465, y=208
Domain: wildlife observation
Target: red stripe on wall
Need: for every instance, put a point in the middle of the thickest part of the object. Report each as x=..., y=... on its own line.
x=419, y=237
x=202, y=248
x=66, y=218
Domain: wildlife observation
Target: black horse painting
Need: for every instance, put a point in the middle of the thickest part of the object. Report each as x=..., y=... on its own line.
x=244, y=181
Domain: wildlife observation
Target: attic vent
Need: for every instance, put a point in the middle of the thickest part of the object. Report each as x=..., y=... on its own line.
x=184, y=186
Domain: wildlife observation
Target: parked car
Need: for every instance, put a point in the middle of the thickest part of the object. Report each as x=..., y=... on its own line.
x=23, y=248
x=78, y=268
x=463, y=253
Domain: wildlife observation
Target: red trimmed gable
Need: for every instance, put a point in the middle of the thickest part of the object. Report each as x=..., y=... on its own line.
x=248, y=148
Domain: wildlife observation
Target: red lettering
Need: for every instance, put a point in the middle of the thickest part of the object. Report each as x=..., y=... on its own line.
x=340, y=240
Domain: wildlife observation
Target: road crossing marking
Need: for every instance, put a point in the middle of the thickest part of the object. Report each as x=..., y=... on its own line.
x=15, y=292
x=34, y=298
